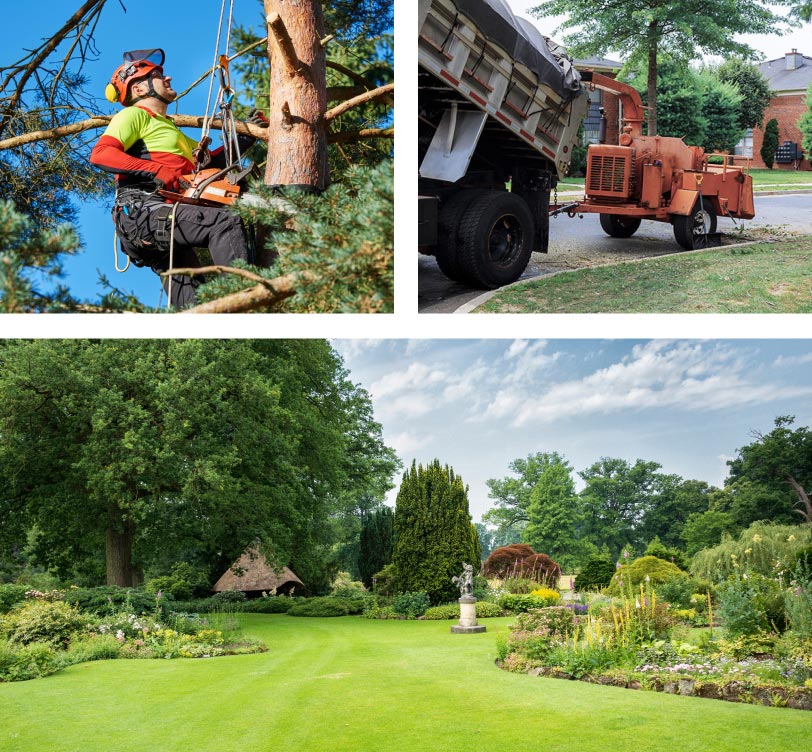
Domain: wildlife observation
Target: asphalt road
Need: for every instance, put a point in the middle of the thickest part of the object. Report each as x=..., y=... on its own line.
x=579, y=242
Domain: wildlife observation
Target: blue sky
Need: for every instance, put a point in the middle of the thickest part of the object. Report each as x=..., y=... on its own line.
x=479, y=404
x=187, y=32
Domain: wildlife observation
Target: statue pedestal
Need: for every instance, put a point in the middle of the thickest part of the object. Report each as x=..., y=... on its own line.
x=467, y=623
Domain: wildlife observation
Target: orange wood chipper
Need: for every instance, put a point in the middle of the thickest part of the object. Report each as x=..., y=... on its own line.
x=660, y=178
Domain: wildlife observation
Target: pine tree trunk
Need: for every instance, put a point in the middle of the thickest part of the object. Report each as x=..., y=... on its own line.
x=118, y=549
x=297, y=143
x=651, y=84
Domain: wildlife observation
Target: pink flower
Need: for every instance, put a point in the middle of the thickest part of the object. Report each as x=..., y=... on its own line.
x=120, y=635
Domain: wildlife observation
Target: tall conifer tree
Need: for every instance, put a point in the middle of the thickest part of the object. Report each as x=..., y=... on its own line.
x=434, y=535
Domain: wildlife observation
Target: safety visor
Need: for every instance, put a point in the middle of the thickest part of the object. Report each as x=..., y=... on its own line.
x=156, y=56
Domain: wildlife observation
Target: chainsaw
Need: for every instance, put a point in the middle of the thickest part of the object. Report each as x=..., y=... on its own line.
x=211, y=187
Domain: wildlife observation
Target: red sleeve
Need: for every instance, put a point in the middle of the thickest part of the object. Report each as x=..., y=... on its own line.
x=108, y=154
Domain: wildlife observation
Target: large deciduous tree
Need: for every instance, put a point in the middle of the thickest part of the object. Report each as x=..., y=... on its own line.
x=780, y=460
x=434, y=535
x=642, y=31
x=128, y=452
x=615, y=499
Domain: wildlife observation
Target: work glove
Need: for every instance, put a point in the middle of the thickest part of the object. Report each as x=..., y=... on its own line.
x=166, y=178
x=257, y=117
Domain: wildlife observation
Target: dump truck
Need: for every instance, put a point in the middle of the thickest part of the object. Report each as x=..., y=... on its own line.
x=500, y=104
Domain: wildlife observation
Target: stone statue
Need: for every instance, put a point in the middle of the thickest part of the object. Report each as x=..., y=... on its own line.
x=465, y=582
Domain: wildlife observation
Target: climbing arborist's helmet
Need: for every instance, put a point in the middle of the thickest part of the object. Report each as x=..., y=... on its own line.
x=137, y=65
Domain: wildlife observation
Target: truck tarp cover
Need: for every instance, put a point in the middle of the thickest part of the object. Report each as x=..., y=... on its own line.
x=523, y=41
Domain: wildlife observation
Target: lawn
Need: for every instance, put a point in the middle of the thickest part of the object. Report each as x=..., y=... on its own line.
x=760, y=278
x=354, y=684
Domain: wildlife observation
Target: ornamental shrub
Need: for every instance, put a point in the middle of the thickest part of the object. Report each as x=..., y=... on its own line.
x=517, y=603
x=327, y=605
x=22, y=662
x=411, y=605
x=596, y=574
x=738, y=610
x=520, y=561
x=484, y=610
x=645, y=569
x=109, y=599
x=553, y=620
x=36, y=621
x=385, y=581
x=11, y=595
x=769, y=143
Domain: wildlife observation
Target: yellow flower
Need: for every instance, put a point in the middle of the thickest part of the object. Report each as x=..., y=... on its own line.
x=791, y=538
x=756, y=538
x=748, y=550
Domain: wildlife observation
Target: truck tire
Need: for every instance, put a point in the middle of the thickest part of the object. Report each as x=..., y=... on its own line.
x=495, y=239
x=701, y=221
x=448, y=225
x=619, y=225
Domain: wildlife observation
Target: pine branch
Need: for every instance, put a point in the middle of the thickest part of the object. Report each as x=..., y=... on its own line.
x=38, y=57
x=369, y=96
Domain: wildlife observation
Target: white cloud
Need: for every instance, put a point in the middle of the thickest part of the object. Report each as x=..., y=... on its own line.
x=790, y=361
x=416, y=376
x=407, y=443
x=692, y=377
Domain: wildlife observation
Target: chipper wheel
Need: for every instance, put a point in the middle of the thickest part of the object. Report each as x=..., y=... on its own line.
x=701, y=221
x=619, y=225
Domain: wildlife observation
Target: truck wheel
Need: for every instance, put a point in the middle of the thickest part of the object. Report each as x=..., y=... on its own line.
x=619, y=225
x=448, y=230
x=495, y=239
x=701, y=221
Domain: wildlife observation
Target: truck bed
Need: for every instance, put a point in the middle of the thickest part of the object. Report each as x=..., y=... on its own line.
x=476, y=56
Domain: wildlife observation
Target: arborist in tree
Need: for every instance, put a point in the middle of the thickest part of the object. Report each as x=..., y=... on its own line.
x=148, y=152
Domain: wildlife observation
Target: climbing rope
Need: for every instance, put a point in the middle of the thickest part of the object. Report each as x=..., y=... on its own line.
x=219, y=67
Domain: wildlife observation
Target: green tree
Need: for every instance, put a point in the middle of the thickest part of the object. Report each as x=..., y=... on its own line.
x=675, y=500
x=679, y=104
x=434, y=534
x=721, y=106
x=753, y=88
x=615, y=499
x=129, y=452
x=770, y=142
x=780, y=460
x=805, y=124
x=642, y=32
x=553, y=512
x=705, y=529
x=377, y=539
x=512, y=496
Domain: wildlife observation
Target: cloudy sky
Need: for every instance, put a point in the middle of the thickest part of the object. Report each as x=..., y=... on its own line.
x=479, y=404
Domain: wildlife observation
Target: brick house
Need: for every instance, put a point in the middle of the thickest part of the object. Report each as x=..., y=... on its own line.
x=789, y=77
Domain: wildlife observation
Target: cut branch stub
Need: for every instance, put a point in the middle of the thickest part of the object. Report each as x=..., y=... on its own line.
x=286, y=49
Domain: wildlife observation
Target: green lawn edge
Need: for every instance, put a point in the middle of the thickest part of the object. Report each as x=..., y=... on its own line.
x=353, y=684
x=766, y=277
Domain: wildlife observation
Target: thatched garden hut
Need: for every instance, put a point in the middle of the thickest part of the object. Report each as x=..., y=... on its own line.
x=254, y=575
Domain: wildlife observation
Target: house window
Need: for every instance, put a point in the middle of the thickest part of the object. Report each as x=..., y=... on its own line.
x=592, y=122
x=745, y=147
